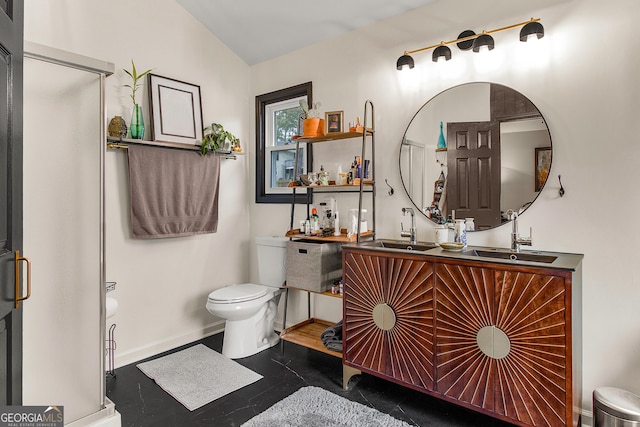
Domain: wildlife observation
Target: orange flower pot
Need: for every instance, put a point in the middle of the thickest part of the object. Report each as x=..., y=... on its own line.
x=313, y=127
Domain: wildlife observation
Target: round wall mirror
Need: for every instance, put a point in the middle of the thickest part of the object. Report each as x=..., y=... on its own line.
x=475, y=151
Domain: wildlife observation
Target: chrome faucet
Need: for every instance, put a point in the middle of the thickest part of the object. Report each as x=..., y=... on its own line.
x=413, y=232
x=516, y=240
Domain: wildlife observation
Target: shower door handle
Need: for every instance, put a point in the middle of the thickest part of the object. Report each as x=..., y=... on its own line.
x=18, y=292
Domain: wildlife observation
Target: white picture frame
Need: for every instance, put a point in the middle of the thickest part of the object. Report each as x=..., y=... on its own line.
x=176, y=111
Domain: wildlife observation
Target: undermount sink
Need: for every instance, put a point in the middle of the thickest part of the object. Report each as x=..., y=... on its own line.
x=515, y=256
x=397, y=244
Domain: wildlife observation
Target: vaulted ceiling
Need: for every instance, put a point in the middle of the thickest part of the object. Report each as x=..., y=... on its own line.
x=259, y=30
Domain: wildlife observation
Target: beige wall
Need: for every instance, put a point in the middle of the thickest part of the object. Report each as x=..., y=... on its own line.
x=585, y=83
x=162, y=284
x=590, y=100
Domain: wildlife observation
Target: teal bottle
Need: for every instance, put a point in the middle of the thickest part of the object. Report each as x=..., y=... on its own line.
x=442, y=145
x=136, y=128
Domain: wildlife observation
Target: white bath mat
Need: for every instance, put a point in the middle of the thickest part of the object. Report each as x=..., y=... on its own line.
x=198, y=375
x=317, y=407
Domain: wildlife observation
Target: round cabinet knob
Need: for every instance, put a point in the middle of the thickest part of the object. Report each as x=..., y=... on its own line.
x=384, y=317
x=493, y=342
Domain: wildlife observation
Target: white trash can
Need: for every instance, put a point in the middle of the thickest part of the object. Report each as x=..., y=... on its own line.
x=614, y=407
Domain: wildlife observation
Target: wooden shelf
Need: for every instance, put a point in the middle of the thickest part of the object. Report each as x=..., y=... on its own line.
x=325, y=293
x=113, y=142
x=332, y=137
x=344, y=238
x=307, y=334
x=337, y=187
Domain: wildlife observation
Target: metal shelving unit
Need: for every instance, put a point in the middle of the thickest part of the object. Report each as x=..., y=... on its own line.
x=307, y=332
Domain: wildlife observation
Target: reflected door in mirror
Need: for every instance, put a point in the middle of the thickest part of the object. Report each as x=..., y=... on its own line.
x=473, y=180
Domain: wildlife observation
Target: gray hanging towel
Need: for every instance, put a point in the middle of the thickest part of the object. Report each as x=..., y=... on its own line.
x=173, y=192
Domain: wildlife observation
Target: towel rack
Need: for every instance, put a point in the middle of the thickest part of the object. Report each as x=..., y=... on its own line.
x=123, y=144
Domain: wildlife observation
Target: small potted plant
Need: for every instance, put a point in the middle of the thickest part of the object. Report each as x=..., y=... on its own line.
x=136, y=127
x=216, y=138
x=312, y=124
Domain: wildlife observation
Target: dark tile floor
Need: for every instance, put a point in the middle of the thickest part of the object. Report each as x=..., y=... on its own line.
x=142, y=403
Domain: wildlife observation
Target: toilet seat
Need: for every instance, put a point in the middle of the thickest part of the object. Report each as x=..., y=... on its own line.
x=238, y=293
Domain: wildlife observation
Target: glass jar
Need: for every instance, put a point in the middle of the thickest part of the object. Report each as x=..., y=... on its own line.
x=353, y=222
x=442, y=233
x=323, y=177
x=313, y=178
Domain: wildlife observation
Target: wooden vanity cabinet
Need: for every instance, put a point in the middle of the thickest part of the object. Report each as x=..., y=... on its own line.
x=501, y=338
x=388, y=313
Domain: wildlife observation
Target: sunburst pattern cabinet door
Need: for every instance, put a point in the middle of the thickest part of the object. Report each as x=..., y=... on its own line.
x=529, y=383
x=402, y=348
x=534, y=380
x=464, y=303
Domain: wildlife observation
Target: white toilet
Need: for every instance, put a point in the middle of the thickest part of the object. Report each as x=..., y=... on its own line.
x=250, y=309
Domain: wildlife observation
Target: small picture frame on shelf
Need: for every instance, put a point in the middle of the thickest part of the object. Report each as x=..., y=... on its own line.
x=334, y=121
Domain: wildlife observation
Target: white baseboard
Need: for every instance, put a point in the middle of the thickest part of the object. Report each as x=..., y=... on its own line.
x=134, y=355
x=106, y=417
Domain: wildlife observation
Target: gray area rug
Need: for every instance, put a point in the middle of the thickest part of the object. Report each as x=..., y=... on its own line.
x=316, y=407
x=198, y=375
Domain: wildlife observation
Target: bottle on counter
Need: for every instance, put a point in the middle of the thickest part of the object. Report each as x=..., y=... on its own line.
x=323, y=176
x=315, y=222
x=460, y=232
x=352, y=171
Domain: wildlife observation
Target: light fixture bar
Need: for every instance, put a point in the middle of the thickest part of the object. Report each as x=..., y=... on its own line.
x=463, y=39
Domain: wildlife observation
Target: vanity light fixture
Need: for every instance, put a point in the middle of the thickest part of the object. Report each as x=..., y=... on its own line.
x=441, y=51
x=470, y=40
x=532, y=28
x=483, y=42
x=405, y=61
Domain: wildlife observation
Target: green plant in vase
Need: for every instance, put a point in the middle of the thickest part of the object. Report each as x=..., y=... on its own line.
x=309, y=112
x=215, y=138
x=136, y=127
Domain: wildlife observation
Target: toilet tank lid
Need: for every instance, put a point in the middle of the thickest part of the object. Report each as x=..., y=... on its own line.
x=279, y=241
x=238, y=293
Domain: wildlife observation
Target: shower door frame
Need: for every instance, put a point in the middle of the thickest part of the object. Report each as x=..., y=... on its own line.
x=103, y=69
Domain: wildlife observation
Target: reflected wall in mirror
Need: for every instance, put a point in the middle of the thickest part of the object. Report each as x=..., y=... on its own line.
x=492, y=135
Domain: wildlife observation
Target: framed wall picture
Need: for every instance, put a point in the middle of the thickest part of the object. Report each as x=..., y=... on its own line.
x=334, y=121
x=176, y=111
x=542, y=166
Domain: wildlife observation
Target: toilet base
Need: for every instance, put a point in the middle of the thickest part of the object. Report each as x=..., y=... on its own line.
x=244, y=338
x=231, y=350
